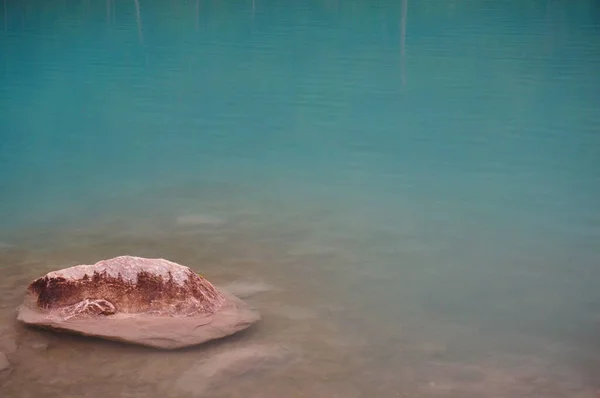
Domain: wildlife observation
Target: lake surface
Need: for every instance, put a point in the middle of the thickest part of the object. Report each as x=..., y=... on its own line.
x=414, y=184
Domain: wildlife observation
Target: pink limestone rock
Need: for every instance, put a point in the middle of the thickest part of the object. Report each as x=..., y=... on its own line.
x=151, y=302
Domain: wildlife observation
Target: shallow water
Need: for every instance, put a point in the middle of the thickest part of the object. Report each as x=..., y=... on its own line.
x=409, y=190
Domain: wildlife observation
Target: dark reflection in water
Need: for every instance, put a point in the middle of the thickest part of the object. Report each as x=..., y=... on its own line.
x=138, y=19
x=406, y=190
x=403, y=46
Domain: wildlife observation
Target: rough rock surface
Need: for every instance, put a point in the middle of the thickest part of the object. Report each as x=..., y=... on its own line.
x=151, y=302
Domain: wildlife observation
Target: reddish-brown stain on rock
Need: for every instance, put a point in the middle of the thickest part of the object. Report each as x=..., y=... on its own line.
x=127, y=284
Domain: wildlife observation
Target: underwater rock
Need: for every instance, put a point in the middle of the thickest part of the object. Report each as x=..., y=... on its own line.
x=8, y=343
x=247, y=289
x=4, y=364
x=151, y=302
x=40, y=346
x=292, y=312
x=218, y=370
x=199, y=219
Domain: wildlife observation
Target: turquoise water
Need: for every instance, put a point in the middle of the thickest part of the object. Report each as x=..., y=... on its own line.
x=429, y=168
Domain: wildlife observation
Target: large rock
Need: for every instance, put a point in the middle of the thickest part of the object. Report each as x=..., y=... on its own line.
x=152, y=302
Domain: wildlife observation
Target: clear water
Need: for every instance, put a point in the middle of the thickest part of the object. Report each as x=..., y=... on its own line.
x=419, y=181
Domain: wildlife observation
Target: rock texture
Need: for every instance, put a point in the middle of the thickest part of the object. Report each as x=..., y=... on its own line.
x=151, y=302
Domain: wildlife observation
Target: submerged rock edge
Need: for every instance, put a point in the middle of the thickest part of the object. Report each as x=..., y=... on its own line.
x=188, y=312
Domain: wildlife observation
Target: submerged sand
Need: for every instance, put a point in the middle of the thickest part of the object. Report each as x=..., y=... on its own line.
x=324, y=333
